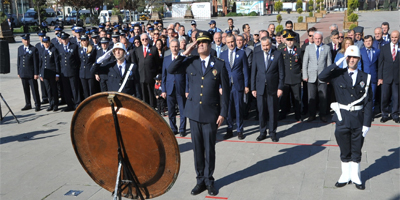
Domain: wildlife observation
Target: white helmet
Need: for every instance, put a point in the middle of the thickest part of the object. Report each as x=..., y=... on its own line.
x=119, y=45
x=352, y=51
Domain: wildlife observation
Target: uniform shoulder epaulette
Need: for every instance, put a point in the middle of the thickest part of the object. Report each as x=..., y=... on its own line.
x=219, y=59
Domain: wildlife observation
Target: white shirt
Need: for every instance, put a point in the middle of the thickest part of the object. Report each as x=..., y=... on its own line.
x=229, y=56
x=396, y=47
x=206, y=59
x=354, y=76
x=123, y=67
x=267, y=57
x=173, y=56
x=290, y=51
x=320, y=47
x=147, y=48
x=334, y=45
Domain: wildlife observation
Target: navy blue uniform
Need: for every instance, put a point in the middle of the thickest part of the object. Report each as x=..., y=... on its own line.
x=205, y=105
x=49, y=69
x=87, y=78
x=40, y=49
x=102, y=69
x=28, y=67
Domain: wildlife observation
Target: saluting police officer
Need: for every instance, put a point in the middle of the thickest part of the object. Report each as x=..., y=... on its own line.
x=87, y=56
x=207, y=109
x=50, y=72
x=69, y=64
x=292, y=59
x=28, y=71
x=353, y=112
x=101, y=71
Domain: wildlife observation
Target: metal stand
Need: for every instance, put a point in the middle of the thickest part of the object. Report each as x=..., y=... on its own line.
x=9, y=110
x=129, y=177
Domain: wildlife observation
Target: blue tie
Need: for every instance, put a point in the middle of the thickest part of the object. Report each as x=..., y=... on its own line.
x=218, y=51
x=203, y=66
x=120, y=70
x=369, y=54
x=317, y=52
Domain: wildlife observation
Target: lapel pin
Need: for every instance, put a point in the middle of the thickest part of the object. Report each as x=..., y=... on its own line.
x=215, y=72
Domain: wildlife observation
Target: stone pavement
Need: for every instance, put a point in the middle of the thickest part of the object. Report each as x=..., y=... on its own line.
x=37, y=160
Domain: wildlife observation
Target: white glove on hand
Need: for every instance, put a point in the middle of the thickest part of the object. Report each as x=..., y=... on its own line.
x=365, y=131
x=104, y=57
x=341, y=60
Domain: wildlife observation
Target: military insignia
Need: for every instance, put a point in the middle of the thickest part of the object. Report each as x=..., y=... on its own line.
x=296, y=59
x=215, y=72
x=81, y=52
x=295, y=49
x=362, y=84
x=201, y=34
x=284, y=49
x=351, y=50
x=212, y=64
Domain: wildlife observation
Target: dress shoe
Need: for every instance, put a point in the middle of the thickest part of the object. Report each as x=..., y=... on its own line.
x=261, y=137
x=384, y=119
x=211, y=190
x=175, y=132
x=359, y=186
x=26, y=108
x=310, y=119
x=182, y=134
x=50, y=108
x=274, y=139
x=396, y=120
x=55, y=108
x=228, y=134
x=37, y=109
x=240, y=136
x=337, y=184
x=323, y=119
x=199, y=188
x=44, y=101
x=67, y=109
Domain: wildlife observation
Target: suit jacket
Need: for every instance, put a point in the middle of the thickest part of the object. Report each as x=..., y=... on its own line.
x=379, y=44
x=272, y=78
x=368, y=66
x=115, y=79
x=101, y=68
x=204, y=102
x=346, y=93
x=87, y=60
x=293, y=64
x=55, y=42
x=28, y=62
x=387, y=68
x=40, y=48
x=334, y=52
x=311, y=66
x=222, y=48
x=172, y=81
x=249, y=54
x=49, y=63
x=69, y=60
x=147, y=66
x=238, y=73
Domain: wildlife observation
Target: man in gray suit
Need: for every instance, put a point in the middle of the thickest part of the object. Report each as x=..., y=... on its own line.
x=217, y=45
x=316, y=58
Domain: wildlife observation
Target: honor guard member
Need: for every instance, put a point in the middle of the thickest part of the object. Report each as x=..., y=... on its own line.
x=39, y=46
x=87, y=56
x=292, y=58
x=95, y=42
x=55, y=41
x=120, y=69
x=28, y=72
x=208, y=108
x=50, y=72
x=101, y=27
x=101, y=71
x=69, y=64
x=353, y=112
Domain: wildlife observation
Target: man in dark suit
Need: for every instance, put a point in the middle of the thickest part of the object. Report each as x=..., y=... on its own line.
x=292, y=60
x=241, y=44
x=148, y=62
x=50, y=72
x=388, y=69
x=353, y=112
x=289, y=26
x=182, y=35
x=334, y=45
x=385, y=28
x=207, y=108
x=378, y=41
x=28, y=72
x=39, y=46
x=267, y=80
x=173, y=89
x=236, y=65
x=369, y=64
x=218, y=46
x=69, y=64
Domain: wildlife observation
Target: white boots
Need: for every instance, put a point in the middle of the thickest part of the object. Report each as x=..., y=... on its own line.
x=355, y=173
x=345, y=177
x=350, y=172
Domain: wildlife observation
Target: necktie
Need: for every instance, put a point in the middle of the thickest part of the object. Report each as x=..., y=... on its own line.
x=317, y=52
x=394, y=52
x=218, y=51
x=351, y=74
x=203, y=66
x=66, y=48
x=291, y=52
x=26, y=49
x=369, y=54
x=84, y=50
x=266, y=61
x=120, y=70
x=231, y=59
x=145, y=52
x=334, y=47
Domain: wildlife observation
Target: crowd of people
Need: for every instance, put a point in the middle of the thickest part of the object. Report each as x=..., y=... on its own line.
x=214, y=75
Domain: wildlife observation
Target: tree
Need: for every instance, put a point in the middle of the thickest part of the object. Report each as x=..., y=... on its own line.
x=353, y=4
x=279, y=18
x=278, y=6
x=299, y=4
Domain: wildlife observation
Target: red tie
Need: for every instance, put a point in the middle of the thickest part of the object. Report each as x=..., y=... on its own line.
x=334, y=47
x=394, y=52
x=145, y=52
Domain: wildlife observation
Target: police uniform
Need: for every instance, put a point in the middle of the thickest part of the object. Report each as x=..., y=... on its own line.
x=69, y=64
x=353, y=114
x=49, y=70
x=87, y=56
x=39, y=46
x=28, y=67
x=205, y=78
x=102, y=69
x=292, y=59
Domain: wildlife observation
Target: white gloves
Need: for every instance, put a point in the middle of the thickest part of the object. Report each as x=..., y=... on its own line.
x=365, y=131
x=341, y=60
x=104, y=57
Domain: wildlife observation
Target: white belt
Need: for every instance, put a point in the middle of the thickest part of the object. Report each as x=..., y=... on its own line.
x=350, y=108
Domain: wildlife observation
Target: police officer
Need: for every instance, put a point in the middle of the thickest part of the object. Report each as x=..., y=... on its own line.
x=69, y=64
x=292, y=59
x=50, y=72
x=39, y=46
x=87, y=56
x=353, y=112
x=28, y=72
x=208, y=109
x=101, y=71
x=95, y=42
x=57, y=30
